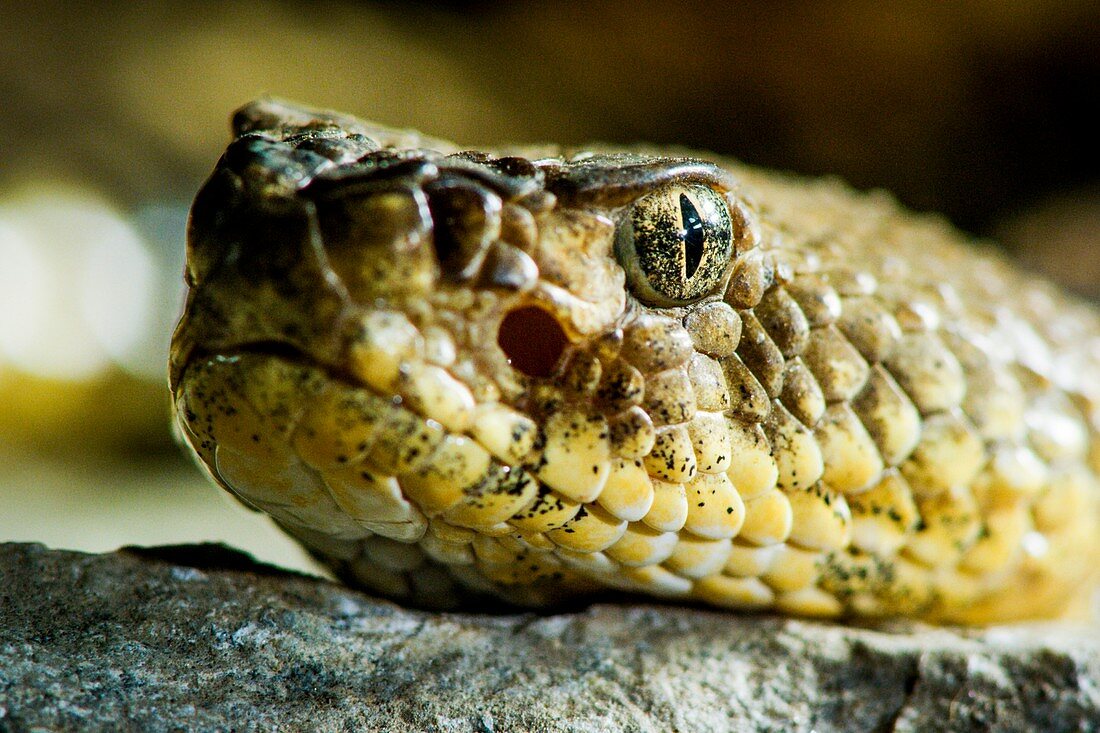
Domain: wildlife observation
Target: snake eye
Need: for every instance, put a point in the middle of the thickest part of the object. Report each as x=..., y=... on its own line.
x=675, y=244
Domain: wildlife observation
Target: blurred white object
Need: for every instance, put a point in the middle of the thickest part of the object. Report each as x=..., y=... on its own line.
x=88, y=300
x=81, y=291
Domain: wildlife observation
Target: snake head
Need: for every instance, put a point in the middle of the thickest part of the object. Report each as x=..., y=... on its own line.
x=479, y=329
x=538, y=372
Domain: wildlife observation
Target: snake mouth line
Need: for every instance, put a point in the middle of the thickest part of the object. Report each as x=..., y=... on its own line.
x=278, y=350
x=289, y=354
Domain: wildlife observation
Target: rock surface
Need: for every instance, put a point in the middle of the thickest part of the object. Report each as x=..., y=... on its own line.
x=202, y=638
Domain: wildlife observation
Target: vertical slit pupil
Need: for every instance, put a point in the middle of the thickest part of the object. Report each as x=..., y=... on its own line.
x=693, y=236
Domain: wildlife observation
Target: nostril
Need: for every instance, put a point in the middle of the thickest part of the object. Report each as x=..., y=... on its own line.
x=533, y=340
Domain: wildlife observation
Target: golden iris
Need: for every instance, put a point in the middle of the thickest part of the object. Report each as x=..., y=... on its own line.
x=675, y=244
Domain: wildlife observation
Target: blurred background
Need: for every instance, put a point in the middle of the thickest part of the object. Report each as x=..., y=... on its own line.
x=113, y=113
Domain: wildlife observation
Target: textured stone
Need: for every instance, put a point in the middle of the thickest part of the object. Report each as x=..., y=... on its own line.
x=202, y=638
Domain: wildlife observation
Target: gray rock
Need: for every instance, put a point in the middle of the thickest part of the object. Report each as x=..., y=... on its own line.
x=203, y=638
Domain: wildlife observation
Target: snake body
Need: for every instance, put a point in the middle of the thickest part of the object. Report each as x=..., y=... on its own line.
x=538, y=374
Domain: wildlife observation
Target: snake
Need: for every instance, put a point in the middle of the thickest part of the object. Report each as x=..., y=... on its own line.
x=538, y=375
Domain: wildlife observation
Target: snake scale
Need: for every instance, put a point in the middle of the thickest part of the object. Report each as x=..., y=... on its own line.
x=540, y=374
